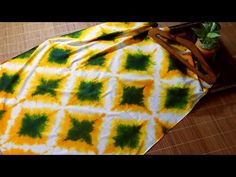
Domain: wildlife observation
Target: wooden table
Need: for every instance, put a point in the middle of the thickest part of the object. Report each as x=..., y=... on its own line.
x=209, y=129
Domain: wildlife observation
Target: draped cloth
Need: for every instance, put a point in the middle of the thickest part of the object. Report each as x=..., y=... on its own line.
x=107, y=89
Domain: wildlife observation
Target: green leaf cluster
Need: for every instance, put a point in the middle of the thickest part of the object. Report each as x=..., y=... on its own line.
x=208, y=34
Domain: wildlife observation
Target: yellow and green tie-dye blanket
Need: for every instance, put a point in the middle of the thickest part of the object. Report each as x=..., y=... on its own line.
x=107, y=89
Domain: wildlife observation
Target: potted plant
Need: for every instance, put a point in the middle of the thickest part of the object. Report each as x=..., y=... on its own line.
x=208, y=38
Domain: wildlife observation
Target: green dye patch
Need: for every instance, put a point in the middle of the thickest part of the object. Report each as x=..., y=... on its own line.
x=137, y=61
x=132, y=95
x=127, y=136
x=177, y=98
x=26, y=54
x=9, y=82
x=176, y=64
x=89, y=91
x=109, y=36
x=47, y=87
x=80, y=130
x=33, y=125
x=76, y=34
x=141, y=36
x=97, y=59
x=59, y=56
x=2, y=113
x=165, y=130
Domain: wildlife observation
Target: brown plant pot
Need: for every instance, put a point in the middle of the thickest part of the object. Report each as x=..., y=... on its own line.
x=207, y=53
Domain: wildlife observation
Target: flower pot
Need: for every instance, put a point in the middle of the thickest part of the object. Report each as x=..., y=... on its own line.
x=207, y=53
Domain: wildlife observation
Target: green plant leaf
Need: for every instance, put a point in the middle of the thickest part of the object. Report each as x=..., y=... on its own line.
x=209, y=43
x=213, y=35
x=215, y=27
x=208, y=34
x=218, y=27
x=207, y=26
x=199, y=32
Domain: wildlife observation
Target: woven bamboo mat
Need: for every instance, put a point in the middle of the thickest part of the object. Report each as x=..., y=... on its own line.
x=19, y=37
x=209, y=129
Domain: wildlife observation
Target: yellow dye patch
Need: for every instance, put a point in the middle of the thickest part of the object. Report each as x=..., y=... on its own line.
x=163, y=97
x=21, y=140
x=160, y=126
x=150, y=64
x=22, y=76
x=44, y=61
x=166, y=74
x=15, y=151
x=121, y=25
x=147, y=92
x=27, y=60
x=5, y=117
x=46, y=98
x=112, y=149
x=79, y=145
x=84, y=64
x=74, y=101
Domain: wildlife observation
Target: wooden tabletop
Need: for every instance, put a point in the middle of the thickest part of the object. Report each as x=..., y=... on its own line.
x=209, y=129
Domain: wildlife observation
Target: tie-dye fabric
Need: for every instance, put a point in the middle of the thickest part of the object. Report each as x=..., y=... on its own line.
x=107, y=89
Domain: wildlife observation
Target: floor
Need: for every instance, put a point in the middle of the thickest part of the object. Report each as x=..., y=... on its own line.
x=209, y=129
